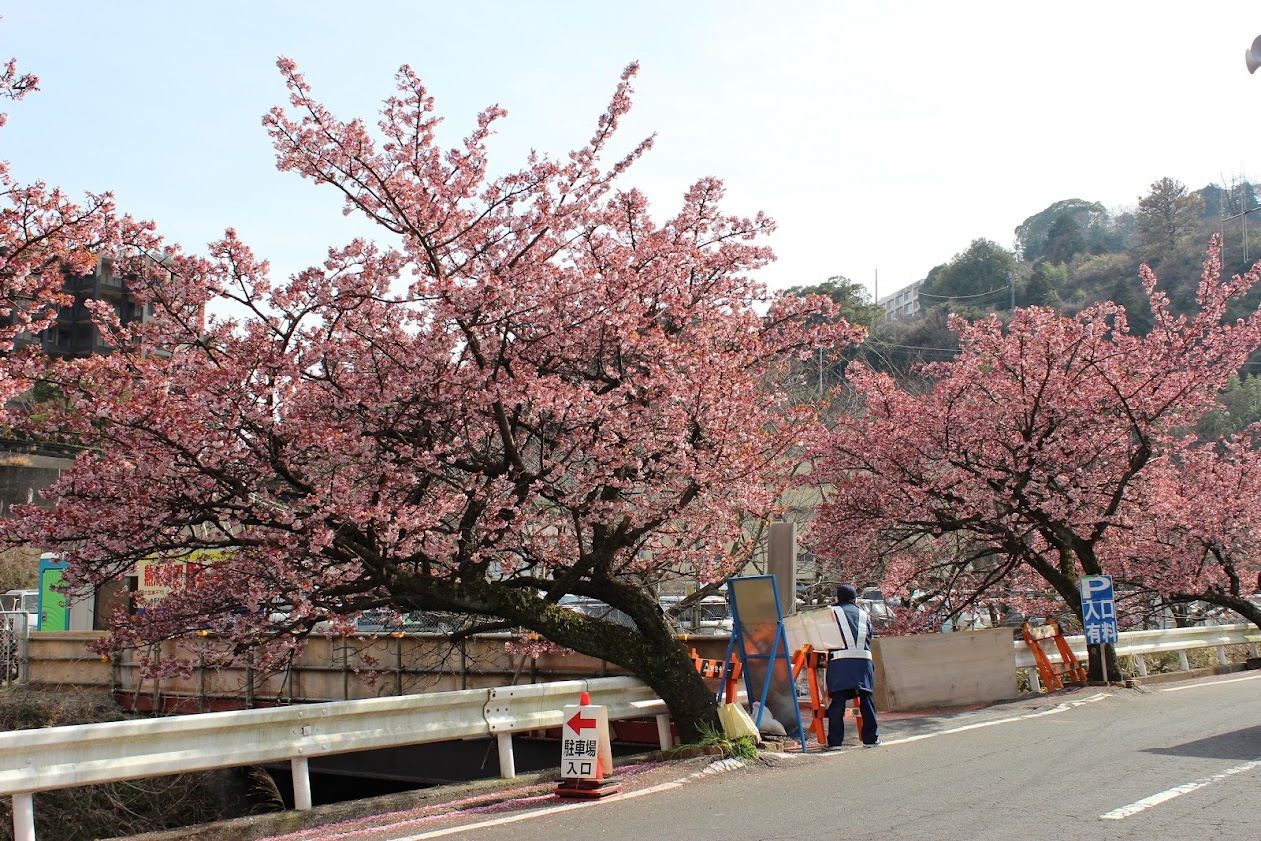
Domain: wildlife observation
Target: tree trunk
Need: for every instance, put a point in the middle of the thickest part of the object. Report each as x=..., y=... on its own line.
x=651, y=651
x=1098, y=656
x=678, y=683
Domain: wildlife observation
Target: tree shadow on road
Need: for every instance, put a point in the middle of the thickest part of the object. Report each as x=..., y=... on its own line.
x=1239, y=744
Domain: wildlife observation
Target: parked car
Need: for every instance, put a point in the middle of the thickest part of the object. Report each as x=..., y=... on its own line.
x=709, y=616
x=384, y=621
x=596, y=609
x=967, y=621
x=872, y=600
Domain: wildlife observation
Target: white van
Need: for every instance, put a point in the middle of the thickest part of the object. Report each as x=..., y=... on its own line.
x=22, y=601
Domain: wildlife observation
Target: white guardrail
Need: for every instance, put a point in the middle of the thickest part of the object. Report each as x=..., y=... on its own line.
x=65, y=757
x=1136, y=644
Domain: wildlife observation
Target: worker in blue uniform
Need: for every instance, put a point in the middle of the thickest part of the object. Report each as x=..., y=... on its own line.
x=850, y=673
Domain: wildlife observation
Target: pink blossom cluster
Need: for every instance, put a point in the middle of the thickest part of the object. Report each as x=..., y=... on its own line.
x=538, y=389
x=1050, y=448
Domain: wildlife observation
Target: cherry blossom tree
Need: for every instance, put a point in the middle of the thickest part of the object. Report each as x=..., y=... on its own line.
x=1023, y=466
x=43, y=237
x=536, y=391
x=1200, y=538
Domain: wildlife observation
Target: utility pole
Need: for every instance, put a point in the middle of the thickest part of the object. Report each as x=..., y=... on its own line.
x=820, y=372
x=1244, y=193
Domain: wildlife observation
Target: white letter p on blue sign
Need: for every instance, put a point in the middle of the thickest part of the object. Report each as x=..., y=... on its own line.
x=1095, y=587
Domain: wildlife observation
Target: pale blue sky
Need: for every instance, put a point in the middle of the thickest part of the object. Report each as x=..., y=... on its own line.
x=882, y=136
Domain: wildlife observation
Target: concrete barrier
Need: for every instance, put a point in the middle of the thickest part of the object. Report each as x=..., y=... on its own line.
x=938, y=670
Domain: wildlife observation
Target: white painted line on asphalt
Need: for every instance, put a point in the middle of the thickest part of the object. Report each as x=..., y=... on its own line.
x=1177, y=791
x=438, y=833
x=1209, y=683
x=1059, y=708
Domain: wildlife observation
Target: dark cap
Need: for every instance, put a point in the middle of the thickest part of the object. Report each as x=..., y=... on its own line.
x=846, y=593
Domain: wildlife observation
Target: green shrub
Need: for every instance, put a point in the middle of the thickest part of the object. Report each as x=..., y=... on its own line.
x=714, y=740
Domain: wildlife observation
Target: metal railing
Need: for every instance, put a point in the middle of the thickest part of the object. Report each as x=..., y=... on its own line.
x=14, y=646
x=1137, y=644
x=65, y=757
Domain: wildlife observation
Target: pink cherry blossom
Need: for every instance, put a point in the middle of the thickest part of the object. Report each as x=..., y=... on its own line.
x=1050, y=448
x=533, y=388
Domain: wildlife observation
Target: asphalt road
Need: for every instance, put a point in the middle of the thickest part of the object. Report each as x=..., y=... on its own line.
x=1175, y=761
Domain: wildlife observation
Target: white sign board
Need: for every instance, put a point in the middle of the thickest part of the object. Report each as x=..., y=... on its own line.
x=157, y=577
x=816, y=628
x=1099, y=616
x=585, y=751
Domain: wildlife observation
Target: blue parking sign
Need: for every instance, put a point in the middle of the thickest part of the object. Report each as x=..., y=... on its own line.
x=1099, y=617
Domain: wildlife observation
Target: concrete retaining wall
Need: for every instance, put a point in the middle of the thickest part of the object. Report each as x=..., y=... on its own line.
x=938, y=670
x=914, y=672
x=329, y=669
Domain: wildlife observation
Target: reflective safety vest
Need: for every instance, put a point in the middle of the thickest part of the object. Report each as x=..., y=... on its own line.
x=855, y=644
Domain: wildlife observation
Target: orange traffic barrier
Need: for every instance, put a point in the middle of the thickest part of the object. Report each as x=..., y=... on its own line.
x=814, y=660
x=1070, y=670
x=727, y=672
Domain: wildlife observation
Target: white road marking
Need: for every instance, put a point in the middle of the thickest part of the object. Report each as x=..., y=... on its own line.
x=1177, y=791
x=1059, y=708
x=438, y=833
x=1209, y=683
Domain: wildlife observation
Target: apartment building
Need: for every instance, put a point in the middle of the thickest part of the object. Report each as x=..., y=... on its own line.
x=902, y=304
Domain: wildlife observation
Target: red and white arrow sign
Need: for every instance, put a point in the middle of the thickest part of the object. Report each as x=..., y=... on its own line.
x=585, y=748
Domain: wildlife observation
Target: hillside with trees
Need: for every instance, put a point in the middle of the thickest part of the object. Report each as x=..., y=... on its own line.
x=1076, y=253
x=1040, y=455
x=1069, y=256
x=1082, y=403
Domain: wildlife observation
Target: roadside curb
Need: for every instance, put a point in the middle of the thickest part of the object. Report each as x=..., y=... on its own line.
x=476, y=794
x=637, y=771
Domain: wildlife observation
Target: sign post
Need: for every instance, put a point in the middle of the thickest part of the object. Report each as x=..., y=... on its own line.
x=1099, y=616
x=586, y=755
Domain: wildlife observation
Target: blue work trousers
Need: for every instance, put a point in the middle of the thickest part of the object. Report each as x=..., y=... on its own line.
x=836, y=716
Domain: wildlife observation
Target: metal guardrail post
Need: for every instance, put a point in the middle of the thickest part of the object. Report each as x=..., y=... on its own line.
x=300, y=771
x=664, y=736
x=23, y=816
x=507, y=762
x=1035, y=682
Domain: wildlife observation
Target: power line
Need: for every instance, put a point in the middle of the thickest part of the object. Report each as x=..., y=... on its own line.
x=1002, y=289
x=882, y=343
